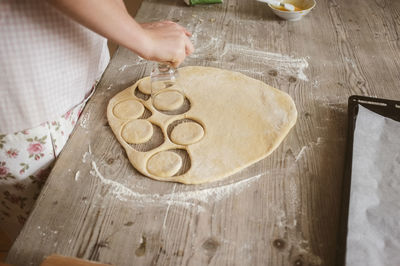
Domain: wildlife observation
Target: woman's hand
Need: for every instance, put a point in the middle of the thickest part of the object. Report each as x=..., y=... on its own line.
x=167, y=42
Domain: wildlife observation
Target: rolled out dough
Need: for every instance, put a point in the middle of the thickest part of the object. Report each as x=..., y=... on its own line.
x=244, y=120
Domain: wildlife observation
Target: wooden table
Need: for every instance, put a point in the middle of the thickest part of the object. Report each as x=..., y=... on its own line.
x=285, y=209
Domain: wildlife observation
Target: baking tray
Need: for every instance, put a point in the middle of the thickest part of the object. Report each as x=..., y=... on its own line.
x=384, y=107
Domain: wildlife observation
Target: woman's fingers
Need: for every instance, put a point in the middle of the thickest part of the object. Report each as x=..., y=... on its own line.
x=189, y=48
x=187, y=33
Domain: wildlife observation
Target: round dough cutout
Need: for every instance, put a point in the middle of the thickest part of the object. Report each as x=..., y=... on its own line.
x=128, y=109
x=168, y=100
x=164, y=164
x=187, y=133
x=137, y=131
x=145, y=86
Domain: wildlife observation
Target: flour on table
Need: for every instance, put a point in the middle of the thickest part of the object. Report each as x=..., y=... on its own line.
x=184, y=198
x=77, y=174
x=84, y=122
x=214, y=49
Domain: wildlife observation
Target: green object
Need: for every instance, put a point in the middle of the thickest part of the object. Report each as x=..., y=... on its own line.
x=197, y=2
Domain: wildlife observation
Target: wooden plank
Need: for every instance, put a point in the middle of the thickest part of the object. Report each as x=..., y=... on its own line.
x=5, y=242
x=57, y=260
x=283, y=210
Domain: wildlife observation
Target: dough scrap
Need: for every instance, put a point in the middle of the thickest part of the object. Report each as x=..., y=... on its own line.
x=244, y=120
x=168, y=100
x=128, y=109
x=164, y=164
x=137, y=131
x=187, y=133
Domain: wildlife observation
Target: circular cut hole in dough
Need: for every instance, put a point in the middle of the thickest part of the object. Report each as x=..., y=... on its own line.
x=164, y=164
x=187, y=133
x=137, y=131
x=168, y=100
x=128, y=109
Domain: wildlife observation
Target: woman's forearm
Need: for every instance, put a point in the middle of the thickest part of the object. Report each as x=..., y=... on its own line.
x=110, y=19
x=159, y=41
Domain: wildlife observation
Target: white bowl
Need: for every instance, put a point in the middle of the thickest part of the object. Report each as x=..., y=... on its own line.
x=304, y=5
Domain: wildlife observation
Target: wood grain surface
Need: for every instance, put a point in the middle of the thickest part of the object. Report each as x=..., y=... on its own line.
x=283, y=210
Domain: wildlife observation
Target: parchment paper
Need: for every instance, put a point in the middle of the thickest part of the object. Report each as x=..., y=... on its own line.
x=374, y=214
